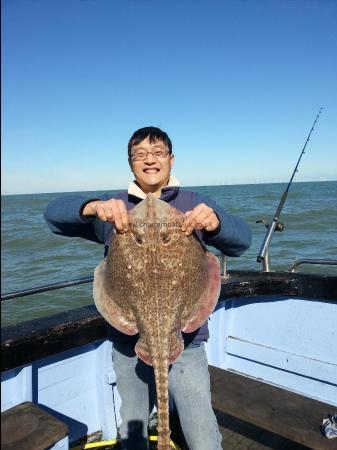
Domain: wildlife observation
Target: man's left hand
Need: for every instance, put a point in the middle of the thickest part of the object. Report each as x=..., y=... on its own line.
x=202, y=217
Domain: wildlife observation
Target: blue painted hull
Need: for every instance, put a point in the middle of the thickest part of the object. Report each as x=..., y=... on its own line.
x=285, y=341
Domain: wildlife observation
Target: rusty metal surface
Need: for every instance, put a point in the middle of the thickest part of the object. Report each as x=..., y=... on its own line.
x=253, y=284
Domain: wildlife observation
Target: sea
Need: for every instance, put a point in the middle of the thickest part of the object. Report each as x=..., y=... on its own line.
x=32, y=256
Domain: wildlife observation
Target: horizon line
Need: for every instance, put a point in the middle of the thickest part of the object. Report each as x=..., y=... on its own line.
x=184, y=187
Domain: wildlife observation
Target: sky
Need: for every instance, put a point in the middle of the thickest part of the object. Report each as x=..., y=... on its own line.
x=236, y=85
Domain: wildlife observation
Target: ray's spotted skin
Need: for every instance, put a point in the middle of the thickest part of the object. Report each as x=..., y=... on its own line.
x=157, y=281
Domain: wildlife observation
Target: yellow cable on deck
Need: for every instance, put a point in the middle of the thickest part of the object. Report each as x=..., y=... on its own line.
x=101, y=444
x=116, y=441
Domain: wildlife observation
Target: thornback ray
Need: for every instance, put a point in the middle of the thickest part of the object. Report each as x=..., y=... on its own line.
x=157, y=281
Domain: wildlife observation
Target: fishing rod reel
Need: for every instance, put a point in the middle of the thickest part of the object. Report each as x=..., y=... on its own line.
x=279, y=225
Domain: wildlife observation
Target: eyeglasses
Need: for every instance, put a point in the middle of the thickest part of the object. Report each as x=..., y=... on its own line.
x=141, y=155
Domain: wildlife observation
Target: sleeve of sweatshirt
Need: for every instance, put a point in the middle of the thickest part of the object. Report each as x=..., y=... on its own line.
x=233, y=236
x=63, y=216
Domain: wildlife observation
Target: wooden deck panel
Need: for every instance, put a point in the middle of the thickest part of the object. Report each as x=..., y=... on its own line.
x=277, y=410
x=240, y=435
x=28, y=427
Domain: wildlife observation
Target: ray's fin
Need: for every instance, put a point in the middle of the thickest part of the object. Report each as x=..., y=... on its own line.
x=122, y=319
x=209, y=297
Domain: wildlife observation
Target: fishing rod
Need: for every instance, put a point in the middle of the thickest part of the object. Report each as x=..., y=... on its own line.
x=276, y=225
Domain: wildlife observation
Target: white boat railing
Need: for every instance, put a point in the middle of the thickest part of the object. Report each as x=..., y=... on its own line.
x=324, y=262
x=45, y=288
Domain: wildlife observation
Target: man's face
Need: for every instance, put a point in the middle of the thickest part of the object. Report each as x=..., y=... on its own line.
x=152, y=173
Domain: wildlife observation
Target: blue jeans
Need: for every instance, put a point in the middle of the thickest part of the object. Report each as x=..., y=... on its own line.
x=189, y=389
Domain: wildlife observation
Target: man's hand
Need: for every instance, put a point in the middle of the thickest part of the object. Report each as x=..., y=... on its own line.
x=113, y=211
x=202, y=217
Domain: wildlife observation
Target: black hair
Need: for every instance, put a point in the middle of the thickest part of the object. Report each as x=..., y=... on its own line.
x=153, y=133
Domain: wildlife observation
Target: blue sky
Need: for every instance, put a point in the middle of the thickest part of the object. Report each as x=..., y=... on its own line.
x=236, y=85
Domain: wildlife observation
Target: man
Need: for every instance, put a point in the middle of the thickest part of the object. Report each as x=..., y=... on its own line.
x=151, y=160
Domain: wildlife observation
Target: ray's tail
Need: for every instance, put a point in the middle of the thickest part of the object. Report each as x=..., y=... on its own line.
x=160, y=366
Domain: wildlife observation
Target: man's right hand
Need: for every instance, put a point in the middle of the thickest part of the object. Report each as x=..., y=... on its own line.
x=113, y=211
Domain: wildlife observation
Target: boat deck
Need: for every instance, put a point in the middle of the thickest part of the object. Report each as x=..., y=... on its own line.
x=240, y=435
x=236, y=435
